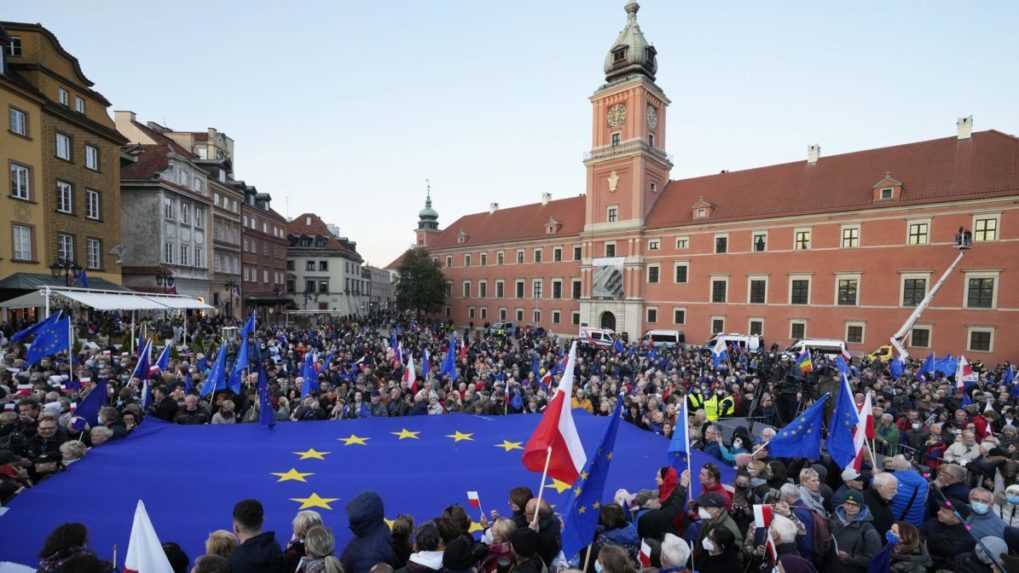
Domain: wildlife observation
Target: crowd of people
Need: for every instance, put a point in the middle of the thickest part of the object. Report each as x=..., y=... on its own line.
x=939, y=488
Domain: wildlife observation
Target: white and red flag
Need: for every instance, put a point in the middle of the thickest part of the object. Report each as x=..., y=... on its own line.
x=864, y=432
x=964, y=373
x=473, y=499
x=557, y=431
x=645, y=555
x=144, y=551
x=763, y=514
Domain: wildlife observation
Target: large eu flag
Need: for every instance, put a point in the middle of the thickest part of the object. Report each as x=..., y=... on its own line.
x=843, y=425
x=801, y=438
x=51, y=338
x=190, y=477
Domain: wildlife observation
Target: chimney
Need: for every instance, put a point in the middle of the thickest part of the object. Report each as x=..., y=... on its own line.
x=964, y=127
x=492, y=208
x=813, y=152
x=545, y=198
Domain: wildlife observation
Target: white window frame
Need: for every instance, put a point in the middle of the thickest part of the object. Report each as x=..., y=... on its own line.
x=711, y=324
x=711, y=288
x=536, y=316
x=675, y=266
x=519, y=314
x=21, y=249
x=930, y=335
x=500, y=258
x=79, y=104
x=810, y=288
x=612, y=214
x=63, y=146
x=574, y=249
x=752, y=320
x=654, y=244
x=969, y=338
x=484, y=313
x=863, y=332
x=500, y=289
x=24, y=175
x=750, y=280
x=674, y=310
x=647, y=315
x=482, y=289
x=581, y=283
x=557, y=317
x=575, y=318
x=796, y=321
x=891, y=193
x=470, y=313
x=503, y=313
x=61, y=237
x=753, y=244
x=842, y=236
x=859, y=286
x=997, y=228
x=465, y=289
x=682, y=243
x=561, y=284
x=902, y=285
x=980, y=275
x=19, y=126
x=63, y=97
x=521, y=257
x=647, y=275
x=467, y=260
x=927, y=234
x=93, y=206
x=522, y=291
x=537, y=288
x=538, y=255
x=94, y=253
x=449, y=261
x=91, y=157
x=557, y=254
x=606, y=247
x=714, y=243
x=810, y=238
x=63, y=186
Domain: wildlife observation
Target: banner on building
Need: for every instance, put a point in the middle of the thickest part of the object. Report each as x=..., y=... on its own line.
x=608, y=278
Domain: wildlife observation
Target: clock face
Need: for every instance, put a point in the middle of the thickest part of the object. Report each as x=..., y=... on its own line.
x=652, y=117
x=617, y=115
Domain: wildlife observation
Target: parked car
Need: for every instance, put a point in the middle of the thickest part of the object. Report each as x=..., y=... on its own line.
x=597, y=336
x=750, y=342
x=664, y=337
x=829, y=346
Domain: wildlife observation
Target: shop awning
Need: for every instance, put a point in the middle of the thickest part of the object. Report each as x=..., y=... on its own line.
x=105, y=299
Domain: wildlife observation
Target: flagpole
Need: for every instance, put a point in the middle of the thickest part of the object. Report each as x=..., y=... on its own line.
x=541, y=490
x=70, y=348
x=114, y=556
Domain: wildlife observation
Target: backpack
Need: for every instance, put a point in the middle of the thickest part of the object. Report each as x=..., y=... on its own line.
x=822, y=536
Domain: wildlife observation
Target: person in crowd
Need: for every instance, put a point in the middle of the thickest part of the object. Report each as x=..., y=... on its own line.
x=257, y=551
x=909, y=554
x=525, y=543
x=549, y=529
x=319, y=546
x=211, y=564
x=615, y=529
x=66, y=542
x=878, y=497
x=712, y=515
x=613, y=559
x=946, y=535
x=371, y=544
x=226, y=414
x=1007, y=508
x=949, y=485
x=856, y=539
x=402, y=532
x=500, y=558
x=851, y=479
x=964, y=450
x=459, y=556
x=428, y=550
x=810, y=492
x=295, y=550
x=911, y=497
x=675, y=553
x=222, y=543
x=193, y=412
x=179, y=560
x=719, y=552
x=982, y=521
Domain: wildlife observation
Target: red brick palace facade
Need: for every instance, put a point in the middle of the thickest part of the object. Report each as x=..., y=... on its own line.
x=830, y=247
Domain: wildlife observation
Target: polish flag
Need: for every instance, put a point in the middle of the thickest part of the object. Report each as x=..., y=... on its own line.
x=473, y=499
x=144, y=552
x=645, y=555
x=964, y=373
x=408, y=371
x=24, y=390
x=557, y=431
x=463, y=349
x=864, y=432
x=763, y=514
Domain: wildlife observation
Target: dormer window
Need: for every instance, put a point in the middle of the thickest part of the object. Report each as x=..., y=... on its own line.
x=887, y=188
x=461, y=237
x=619, y=54
x=887, y=193
x=701, y=209
x=552, y=226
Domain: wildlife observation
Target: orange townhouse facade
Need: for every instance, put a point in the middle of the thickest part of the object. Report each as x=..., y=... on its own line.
x=840, y=247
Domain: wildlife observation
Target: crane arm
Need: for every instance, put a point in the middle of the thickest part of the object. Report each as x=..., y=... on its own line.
x=897, y=338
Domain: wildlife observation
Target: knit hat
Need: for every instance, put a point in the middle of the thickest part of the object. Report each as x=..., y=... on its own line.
x=525, y=542
x=854, y=497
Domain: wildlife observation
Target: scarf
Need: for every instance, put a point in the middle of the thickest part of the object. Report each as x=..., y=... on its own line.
x=813, y=501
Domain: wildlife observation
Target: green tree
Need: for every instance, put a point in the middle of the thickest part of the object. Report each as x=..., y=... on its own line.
x=422, y=286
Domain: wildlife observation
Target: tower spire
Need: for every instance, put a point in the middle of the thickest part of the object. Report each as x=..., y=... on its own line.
x=428, y=218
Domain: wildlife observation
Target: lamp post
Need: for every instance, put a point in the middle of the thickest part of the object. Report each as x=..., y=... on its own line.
x=69, y=269
x=164, y=279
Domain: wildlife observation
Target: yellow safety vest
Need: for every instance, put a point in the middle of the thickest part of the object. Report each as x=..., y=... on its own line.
x=715, y=407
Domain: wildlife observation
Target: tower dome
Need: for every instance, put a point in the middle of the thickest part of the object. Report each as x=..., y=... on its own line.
x=631, y=54
x=428, y=218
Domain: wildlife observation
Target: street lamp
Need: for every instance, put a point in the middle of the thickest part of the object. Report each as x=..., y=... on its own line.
x=69, y=269
x=164, y=279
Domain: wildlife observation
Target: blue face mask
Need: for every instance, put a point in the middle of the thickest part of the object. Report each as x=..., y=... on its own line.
x=979, y=507
x=891, y=538
x=1013, y=499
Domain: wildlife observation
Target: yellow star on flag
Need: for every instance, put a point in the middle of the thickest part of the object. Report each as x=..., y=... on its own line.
x=354, y=439
x=510, y=446
x=608, y=455
x=405, y=434
x=475, y=526
x=559, y=486
x=460, y=436
x=596, y=505
x=312, y=454
x=578, y=489
x=292, y=475
x=389, y=523
x=314, y=500
x=583, y=476
x=581, y=509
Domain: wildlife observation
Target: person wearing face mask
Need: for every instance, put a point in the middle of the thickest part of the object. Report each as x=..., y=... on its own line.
x=916, y=434
x=947, y=536
x=909, y=553
x=718, y=553
x=742, y=509
x=983, y=522
x=712, y=514
x=1008, y=509
x=856, y=540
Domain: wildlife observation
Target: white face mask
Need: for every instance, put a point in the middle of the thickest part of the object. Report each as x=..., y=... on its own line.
x=708, y=545
x=703, y=513
x=597, y=566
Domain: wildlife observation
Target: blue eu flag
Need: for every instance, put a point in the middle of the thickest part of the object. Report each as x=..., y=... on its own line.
x=217, y=376
x=266, y=414
x=929, y=364
x=240, y=365
x=843, y=424
x=249, y=326
x=895, y=367
x=32, y=329
x=617, y=345
x=90, y=406
x=682, y=457
x=581, y=519
x=310, y=375
x=449, y=364
x=801, y=438
x=50, y=339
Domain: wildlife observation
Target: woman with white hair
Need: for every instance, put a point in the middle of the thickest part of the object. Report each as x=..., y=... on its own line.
x=675, y=554
x=320, y=545
x=1008, y=508
x=302, y=523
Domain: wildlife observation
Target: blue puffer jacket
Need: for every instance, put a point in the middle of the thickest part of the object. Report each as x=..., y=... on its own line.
x=910, y=482
x=371, y=543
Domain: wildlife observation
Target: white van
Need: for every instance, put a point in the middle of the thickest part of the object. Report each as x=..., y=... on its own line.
x=751, y=342
x=829, y=346
x=597, y=336
x=663, y=337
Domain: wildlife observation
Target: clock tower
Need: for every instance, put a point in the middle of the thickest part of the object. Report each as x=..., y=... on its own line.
x=627, y=170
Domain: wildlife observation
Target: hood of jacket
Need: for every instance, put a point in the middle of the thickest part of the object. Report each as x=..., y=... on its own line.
x=862, y=517
x=365, y=513
x=626, y=535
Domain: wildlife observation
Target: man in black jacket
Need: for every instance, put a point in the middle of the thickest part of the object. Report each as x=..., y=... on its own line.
x=878, y=498
x=549, y=532
x=258, y=552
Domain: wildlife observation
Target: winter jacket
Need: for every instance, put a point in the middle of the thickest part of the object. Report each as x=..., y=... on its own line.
x=880, y=511
x=857, y=537
x=985, y=525
x=259, y=554
x=371, y=543
x=957, y=493
x=549, y=538
x=911, y=497
x=423, y=562
x=945, y=542
x=915, y=562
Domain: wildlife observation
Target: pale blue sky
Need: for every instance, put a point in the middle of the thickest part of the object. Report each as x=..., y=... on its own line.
x=344, y=108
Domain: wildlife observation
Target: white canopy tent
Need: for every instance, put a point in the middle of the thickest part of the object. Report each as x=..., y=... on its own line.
x=109, y=300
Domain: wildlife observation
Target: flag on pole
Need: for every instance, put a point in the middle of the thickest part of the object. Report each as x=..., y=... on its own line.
x=964, y=373
x=240, y=365
x=581, y=519
x=30, y=330
x=248, y=327
x=896, y=367
x=645, y=555
x=92, y=403
x=449, y=364
x=556, y=430
x=82, y=279
x=719, y=354
x=51, y=338
x=309, y=374
x=409, y=376
x=144, y=551
x=801, y=438
x=266, y=413
x=864, y=431
x=217, y=376
x=473, y=499
x=844, y=421
x=141, y=368
x=426, y=365
x=1009, y=376
x=805, y=363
